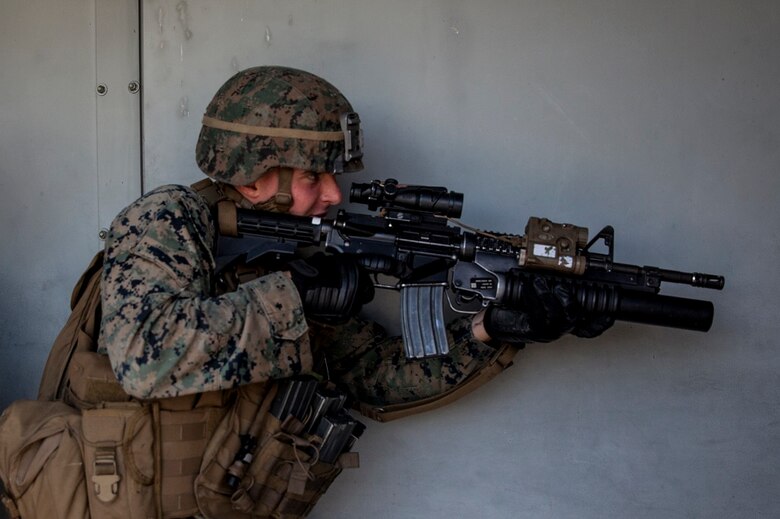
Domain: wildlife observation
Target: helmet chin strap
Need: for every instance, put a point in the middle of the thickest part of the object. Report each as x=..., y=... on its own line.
x=282, y=200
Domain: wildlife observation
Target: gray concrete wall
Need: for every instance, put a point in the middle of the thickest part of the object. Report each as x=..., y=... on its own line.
x=69, y=161
x=660, y=118
x=41, y=164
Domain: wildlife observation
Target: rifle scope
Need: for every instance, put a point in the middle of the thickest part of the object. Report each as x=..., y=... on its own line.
x=392, y=195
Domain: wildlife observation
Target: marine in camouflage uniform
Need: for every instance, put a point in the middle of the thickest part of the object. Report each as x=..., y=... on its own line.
x=272, y=138
x=168, y=333
x=167, y=329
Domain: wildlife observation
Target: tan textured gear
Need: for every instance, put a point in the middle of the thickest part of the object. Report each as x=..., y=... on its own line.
x=267, y=117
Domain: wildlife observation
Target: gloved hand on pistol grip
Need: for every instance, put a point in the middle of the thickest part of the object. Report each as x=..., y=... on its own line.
x=332, y=288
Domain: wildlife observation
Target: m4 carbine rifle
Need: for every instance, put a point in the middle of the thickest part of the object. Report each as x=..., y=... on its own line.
x=411, y=239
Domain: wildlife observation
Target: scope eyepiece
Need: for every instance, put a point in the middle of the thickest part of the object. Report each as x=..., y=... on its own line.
x=392, y=195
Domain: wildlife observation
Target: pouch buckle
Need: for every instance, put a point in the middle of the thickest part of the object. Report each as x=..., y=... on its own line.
x=106, y=479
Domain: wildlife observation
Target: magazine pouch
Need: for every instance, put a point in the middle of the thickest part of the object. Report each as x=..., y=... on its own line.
x=260, y=466
x=119, y=460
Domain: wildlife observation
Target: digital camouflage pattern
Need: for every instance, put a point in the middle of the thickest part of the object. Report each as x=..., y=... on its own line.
x=277, y=97
x=167, y=333
x=373, y=367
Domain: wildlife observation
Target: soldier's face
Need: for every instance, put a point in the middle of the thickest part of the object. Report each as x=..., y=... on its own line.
x=312, y=193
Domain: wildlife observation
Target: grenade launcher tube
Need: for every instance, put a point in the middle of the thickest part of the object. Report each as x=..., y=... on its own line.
x=675, y=312
x=638, y=306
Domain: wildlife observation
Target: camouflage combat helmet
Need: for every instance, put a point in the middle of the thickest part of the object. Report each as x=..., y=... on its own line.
x=266, y=117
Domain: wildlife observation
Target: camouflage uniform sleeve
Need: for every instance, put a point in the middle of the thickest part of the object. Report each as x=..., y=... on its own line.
x=164, y=332
x=373, y=367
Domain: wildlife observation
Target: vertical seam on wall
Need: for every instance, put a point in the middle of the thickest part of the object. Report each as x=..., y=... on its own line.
x=142, y=82
x=97, y=117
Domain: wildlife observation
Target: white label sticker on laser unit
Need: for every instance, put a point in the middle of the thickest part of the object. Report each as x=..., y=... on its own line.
x=544, y=251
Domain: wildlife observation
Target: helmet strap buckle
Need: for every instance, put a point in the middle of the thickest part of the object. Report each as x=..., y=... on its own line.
x=283, y=197
x=283, y=200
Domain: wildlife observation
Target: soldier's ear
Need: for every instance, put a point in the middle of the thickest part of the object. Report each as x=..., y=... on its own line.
x=261, y=189
x=250, y=192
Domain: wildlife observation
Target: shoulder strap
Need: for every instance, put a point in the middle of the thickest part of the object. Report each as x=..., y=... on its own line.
x=209, y=190
x=80, y=332
x=501, y=361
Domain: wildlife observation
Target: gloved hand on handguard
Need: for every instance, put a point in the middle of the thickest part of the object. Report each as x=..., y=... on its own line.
x=547, y=310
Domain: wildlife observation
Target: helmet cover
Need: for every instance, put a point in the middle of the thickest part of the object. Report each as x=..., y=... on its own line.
x=267, y=117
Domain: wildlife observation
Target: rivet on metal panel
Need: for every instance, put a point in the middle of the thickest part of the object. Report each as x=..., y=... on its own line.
x=101, y=89
x=134, y=87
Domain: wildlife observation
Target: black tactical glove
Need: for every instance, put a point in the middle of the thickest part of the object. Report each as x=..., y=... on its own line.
x=589, y=326
x=332, y=288
x=547, y=310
